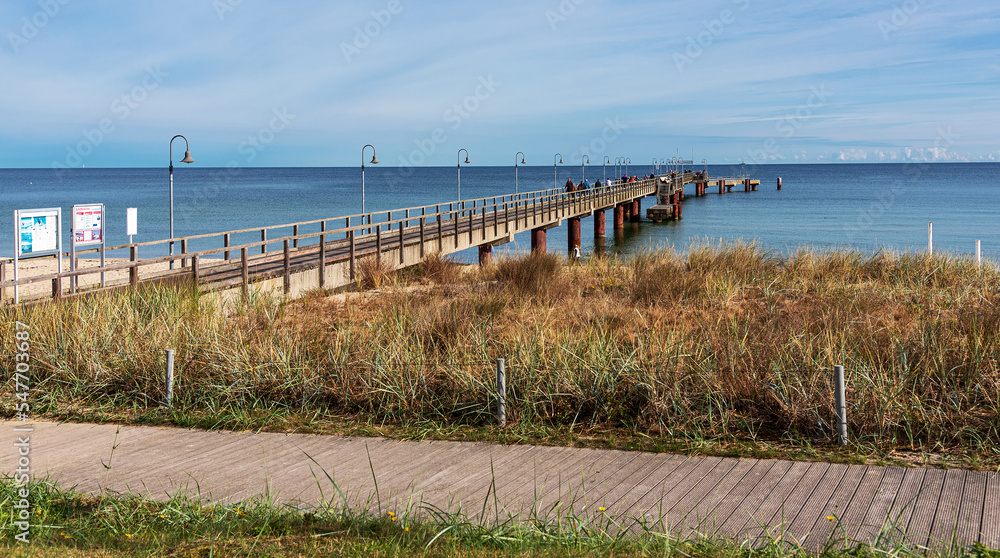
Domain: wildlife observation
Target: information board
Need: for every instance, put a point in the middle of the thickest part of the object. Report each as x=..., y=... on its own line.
x=37, y=232
x=88, y=224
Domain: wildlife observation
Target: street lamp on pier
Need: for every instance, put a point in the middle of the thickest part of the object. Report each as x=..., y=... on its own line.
x=557, y=160
x=604, y=166
x=515, y=168
x=460, y=170
x=187, y=159
x=374, y=162
x=583, y=168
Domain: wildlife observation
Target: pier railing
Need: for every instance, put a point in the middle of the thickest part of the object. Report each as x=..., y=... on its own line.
x=340, y=238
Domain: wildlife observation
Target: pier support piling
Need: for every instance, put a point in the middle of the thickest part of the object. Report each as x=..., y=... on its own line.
x=722, y=187
x=599, y=217
x=619, y=216
x=573, y=236
x=485, y=255
x=636, y=211
x=538, y=241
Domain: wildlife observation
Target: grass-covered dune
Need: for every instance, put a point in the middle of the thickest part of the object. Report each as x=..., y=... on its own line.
x=727, y=343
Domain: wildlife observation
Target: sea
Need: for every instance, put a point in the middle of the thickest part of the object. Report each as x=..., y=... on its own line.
x=862, y=207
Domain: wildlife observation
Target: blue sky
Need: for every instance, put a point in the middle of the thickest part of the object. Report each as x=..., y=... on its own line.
x=308, y=83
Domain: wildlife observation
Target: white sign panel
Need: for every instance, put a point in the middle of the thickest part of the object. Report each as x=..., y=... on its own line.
x=88, y=224
x=132, y=221
x=38, y=232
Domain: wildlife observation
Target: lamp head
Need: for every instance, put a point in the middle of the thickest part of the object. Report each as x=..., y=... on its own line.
x=522, y=161
x=467, y=161
x=187, y=158
x=374, y=159
x=560, y=160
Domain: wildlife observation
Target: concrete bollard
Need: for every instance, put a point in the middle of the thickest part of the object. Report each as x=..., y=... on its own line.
x=169, y=378
x=501, y=392
x=841, y=404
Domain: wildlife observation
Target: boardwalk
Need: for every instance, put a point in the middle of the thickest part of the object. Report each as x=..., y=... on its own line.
x=745, y=499
x=323, y=253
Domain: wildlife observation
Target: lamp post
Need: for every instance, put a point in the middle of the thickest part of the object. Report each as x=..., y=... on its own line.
x=583, y=168
x=627, y=161
x=555, y=161
x=663, y=163
x=656, y=168
x=617, y=160
x=374, y=162
x=604, y=166
x=187, y=159
x=515, y=168
x=460, y=170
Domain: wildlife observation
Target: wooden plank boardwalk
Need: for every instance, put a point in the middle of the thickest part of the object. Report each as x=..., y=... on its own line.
x=745, y=499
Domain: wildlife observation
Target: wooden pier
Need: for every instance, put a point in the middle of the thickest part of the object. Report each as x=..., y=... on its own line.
x=324, y=253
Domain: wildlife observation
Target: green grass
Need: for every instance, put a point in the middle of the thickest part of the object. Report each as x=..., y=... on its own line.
x=68, y=524
x=725, y=350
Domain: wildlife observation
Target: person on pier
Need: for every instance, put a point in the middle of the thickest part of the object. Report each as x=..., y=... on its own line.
x=569, y=185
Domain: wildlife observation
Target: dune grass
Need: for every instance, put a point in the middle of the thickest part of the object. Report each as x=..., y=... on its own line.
x=726, y=344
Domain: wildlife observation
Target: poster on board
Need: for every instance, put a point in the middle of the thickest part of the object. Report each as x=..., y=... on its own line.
x=88, y=224
x=38, y=232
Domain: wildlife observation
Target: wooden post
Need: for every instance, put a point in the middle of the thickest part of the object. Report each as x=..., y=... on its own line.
x=57, y=288
x=263, y=240
x=454, y=219
x=378, y=241
x=322, y=255
x=225, y=244
x=422, y=241
x=194, y=269
x=401, y=243
x=3, y=278
x=133, y=272
x=350, y=236
x=287, y=270
x=440, y=231
x=184, y=250
x=245, y=272
x=295, y=236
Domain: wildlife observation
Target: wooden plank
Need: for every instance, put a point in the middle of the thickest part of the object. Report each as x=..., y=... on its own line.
x=971, y=510
x=903, y=506
x=767, y=523
x=800, y=527
x=748, y=508
x=647, y=501
x=857, y=509
x=826, y=531
x=777, y=528
x=699, y=519
x=876, y=524
x=686, y=504
x=580, y=478
x=989, y=534
x=919, y=528
x=946, y=519
x=617, y=500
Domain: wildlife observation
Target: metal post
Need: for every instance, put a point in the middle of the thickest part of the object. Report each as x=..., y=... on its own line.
x=841, y=403
x=169, y=377
x=930, y=239
x=501, y=392
x=979, y=253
